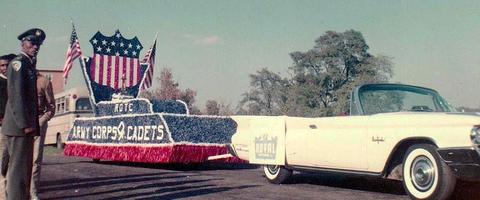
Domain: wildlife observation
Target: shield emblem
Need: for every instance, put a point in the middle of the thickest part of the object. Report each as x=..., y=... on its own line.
x=114, y=67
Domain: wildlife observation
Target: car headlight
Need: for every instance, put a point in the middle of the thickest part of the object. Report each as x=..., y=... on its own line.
x=475, y=134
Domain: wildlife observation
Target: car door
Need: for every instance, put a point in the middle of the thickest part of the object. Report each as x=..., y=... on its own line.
x=338, y=142
x=298, y=134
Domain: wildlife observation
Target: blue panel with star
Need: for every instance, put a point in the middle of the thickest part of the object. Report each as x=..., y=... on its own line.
x=116, y=45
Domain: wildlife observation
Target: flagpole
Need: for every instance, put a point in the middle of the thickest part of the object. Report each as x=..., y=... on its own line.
x=85, y=76
x=64, y=78
x=148, y=68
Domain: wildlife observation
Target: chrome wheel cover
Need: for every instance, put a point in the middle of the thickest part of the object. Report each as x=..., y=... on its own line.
x=422, y=173
x=273, y=169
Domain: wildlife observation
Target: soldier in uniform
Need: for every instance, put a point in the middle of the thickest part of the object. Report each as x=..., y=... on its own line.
x=4, y=60
x=46, y=110
x=20, y=123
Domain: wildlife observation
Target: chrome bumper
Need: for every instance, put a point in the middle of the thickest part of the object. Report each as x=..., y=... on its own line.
x=464, y=162
x=231, y=153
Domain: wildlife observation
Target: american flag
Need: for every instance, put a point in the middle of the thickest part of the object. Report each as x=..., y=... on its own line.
x=73, y=52
x=115, y=61
x=150, y=61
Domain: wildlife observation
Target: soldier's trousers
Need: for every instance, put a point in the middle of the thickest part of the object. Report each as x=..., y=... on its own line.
x=39, y=142
x=20, y=151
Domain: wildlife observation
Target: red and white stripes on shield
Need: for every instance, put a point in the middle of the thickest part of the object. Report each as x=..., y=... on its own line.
x=113, y=71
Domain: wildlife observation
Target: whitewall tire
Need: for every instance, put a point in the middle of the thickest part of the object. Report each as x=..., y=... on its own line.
x=276, y=174
x=425, y=175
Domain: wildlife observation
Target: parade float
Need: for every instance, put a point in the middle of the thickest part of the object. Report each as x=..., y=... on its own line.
x=132, y=129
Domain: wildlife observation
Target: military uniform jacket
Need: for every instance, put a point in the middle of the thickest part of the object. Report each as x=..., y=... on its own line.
x=3, y=96
x=21, y=111
x=46, y=99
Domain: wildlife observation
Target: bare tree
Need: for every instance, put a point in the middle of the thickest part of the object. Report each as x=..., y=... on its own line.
x=169, y=90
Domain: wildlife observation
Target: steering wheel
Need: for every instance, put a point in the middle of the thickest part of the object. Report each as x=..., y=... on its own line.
x=421, y=108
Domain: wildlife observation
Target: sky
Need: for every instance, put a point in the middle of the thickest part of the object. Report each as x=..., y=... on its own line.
x=212, y=46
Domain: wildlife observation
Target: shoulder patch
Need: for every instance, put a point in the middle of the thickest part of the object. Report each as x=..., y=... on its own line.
x=16, y=65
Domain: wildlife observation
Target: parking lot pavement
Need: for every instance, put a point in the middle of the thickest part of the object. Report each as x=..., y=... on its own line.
x=80, y=178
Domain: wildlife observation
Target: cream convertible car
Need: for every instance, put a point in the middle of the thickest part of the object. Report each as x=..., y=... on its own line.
x=394, y=131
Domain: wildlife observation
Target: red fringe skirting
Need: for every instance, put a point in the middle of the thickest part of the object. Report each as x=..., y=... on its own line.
x=175, y=153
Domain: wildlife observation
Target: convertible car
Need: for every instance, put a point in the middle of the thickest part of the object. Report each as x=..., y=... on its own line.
x=394, y=131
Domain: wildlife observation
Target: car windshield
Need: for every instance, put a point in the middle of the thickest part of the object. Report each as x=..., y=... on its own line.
x=384, y=99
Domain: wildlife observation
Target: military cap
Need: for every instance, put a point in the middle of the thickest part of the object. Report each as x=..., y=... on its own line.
x=35, y=35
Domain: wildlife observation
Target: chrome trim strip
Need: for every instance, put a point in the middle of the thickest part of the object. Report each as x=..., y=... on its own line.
x=354, y=172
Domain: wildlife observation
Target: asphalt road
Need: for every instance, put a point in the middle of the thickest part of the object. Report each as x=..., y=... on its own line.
x=80, y=178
